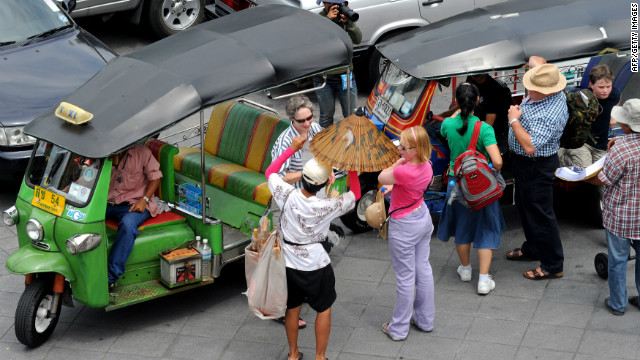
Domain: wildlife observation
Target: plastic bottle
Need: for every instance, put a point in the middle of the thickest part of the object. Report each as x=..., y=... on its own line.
x=198, y=243
x=206, y=259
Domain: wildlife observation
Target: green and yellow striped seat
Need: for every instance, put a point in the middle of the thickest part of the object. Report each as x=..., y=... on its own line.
x=237, y=152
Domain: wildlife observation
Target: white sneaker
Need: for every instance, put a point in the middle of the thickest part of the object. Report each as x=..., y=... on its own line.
x=485, y=287
x=465, y=274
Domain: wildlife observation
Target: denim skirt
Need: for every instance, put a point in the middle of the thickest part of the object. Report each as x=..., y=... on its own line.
x=481, y=227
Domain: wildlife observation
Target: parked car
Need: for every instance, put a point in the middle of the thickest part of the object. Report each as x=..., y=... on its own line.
x=163, y=17
x=44, y=57
x=379, y=20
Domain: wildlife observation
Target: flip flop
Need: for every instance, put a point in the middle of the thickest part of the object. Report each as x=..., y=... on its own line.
x=300, y=356
x=545, y=274
x=515, y=255
x=281, y=321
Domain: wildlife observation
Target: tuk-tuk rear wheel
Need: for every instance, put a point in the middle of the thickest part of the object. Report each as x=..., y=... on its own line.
x=34, y=323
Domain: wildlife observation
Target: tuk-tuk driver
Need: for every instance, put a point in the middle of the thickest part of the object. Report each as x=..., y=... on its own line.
x=134, y=180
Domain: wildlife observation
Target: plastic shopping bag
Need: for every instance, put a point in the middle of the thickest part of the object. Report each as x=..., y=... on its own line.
x=266, y=279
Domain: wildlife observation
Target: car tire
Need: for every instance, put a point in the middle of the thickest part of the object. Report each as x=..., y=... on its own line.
x=168, y=17
x=374, y=65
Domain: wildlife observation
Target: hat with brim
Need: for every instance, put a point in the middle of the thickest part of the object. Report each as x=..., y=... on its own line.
x=315, y=172
x=545, y=79
x=628, y=114
x=330, y=1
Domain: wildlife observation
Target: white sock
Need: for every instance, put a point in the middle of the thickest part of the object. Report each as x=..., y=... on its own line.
x=484, y=278
x=468, y=267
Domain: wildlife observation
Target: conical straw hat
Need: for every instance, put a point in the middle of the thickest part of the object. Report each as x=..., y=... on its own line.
x=354, y=143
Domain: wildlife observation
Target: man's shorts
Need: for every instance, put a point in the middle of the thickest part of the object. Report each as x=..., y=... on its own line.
x=317, y=288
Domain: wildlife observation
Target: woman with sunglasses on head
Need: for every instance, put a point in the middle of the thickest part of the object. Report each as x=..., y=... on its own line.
x=410, y=229
x=481, y=227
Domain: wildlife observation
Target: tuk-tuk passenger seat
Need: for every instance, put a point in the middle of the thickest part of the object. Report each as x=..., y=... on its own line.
x=237, y=149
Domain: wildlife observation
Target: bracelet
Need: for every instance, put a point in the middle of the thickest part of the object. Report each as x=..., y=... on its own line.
x=512, y=121
x=146, y=199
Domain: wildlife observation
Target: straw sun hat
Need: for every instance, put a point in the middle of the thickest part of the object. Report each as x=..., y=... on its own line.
x=545, y=79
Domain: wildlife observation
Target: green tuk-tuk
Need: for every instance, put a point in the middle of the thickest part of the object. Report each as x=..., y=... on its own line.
x=215, y=189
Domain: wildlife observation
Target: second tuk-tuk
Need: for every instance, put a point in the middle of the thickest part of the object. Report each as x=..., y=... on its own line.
x=215, y=189
x=496, y=40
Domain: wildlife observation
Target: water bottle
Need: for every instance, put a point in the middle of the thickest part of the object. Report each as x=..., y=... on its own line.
x=198, y=243
x=206, y=259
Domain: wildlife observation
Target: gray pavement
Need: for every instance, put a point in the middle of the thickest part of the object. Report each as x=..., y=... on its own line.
x=520, y=319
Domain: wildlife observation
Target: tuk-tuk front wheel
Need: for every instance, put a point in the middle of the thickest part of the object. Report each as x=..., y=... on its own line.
x=34, y=322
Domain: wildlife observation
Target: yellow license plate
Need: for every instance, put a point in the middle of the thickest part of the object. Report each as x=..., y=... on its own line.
x=48, y=201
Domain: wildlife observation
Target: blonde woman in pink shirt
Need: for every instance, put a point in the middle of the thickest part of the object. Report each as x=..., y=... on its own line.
x=410, y=229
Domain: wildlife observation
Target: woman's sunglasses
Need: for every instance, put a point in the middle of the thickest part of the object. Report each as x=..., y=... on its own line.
x=302, y=121
x=402, y=148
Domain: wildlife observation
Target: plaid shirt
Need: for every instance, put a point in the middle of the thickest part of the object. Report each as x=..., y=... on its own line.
x=544, y=120
x=621, y=175
x=294, y=163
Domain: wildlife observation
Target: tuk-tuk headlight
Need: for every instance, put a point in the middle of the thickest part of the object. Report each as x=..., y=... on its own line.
x=34, y=230
x=14, y=136
x=83, y=242
x=10, y=216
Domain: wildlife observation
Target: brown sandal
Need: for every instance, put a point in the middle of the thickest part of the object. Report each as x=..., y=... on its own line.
x=517, y=255
x=540, y=274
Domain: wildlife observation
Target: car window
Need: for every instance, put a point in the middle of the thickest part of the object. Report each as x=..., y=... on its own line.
x=22, y=19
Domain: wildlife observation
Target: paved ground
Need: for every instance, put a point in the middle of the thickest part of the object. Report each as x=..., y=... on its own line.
x=520, y=319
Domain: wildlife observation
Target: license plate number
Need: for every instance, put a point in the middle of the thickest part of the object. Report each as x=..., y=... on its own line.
x=48, y=201
x=382, y=110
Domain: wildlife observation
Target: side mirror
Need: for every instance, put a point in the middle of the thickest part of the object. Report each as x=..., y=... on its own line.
x=67, y=5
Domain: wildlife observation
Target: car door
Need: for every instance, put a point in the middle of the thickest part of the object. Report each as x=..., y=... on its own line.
x=436, y=10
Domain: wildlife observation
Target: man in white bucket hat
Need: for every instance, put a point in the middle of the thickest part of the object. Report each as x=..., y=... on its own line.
x=536, y=126
x=621, y=204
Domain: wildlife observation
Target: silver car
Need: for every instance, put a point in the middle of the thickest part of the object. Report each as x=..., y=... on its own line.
x=379, y=19
x=164, y=17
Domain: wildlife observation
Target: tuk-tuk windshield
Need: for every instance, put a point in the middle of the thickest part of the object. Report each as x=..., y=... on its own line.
x=63, y=172
x=400, y=90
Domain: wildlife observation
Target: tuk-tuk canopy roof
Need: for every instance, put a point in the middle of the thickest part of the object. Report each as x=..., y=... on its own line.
x=505, y=36
x=139, y=94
